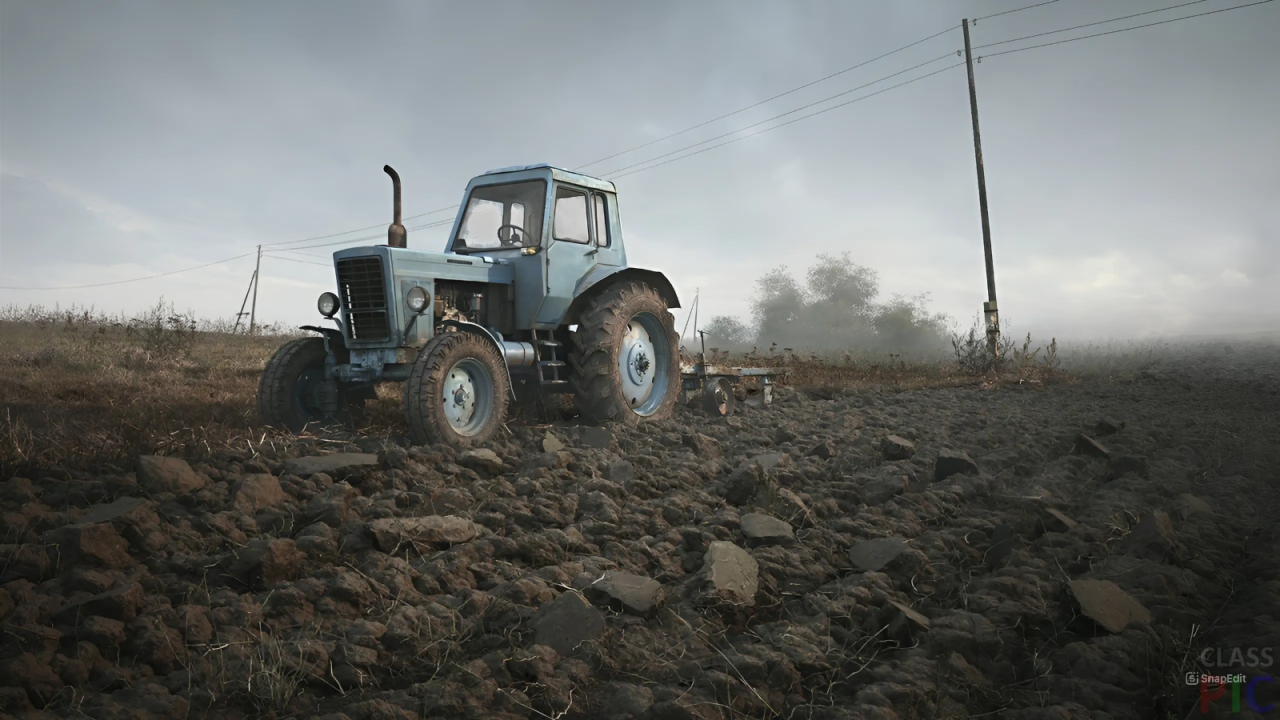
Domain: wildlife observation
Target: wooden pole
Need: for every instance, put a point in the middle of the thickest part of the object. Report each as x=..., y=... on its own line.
x=253, y=311
x=989, y=308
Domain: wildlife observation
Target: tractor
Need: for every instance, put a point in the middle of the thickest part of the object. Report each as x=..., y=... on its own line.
x=532, y=298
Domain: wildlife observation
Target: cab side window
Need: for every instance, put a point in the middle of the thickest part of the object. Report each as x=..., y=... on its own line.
x=571, y=220
x=602, y=219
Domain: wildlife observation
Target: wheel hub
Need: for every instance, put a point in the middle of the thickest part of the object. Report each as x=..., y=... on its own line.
x=459, y=397
x=634, y=364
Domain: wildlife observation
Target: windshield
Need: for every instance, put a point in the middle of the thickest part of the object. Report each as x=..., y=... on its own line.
x=502, y=216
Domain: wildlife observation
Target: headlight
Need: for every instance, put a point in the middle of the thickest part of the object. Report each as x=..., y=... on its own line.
x=327, y=304
x=417, y=299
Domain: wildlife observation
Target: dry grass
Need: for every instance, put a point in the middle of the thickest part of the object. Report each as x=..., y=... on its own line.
x=84, y=390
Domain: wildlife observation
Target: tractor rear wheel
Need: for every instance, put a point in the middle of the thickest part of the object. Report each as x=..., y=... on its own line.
x=625, y=364
x=456, y=392
x=288, y=394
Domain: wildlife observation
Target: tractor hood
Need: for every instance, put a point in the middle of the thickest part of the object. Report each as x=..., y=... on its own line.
x=408, y=264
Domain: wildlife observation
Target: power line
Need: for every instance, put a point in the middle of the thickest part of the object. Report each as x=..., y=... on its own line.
x=348, y=232
x=122, y=282
x=1007, y=12
x=1135, y=27
x=767, y=100
x=781, y=115
x=304, y=262
x=794, y=120
x=1077, y=27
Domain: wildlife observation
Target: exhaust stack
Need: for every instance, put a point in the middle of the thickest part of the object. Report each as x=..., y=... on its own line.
x=397, y=236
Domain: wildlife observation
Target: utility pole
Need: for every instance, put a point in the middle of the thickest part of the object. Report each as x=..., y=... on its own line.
x=989, y=308
x=253, y=310
x=245, y=302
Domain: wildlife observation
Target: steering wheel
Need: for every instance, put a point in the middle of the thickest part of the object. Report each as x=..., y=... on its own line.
x=512, y=241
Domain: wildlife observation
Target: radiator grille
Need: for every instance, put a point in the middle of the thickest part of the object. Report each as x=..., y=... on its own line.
x=364, y=295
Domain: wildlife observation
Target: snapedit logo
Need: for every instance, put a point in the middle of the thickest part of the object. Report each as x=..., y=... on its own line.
x=1225, y=673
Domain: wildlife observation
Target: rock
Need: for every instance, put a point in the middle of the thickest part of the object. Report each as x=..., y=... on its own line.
x=635, y=594
x=1057, y=521
x=769, y=462
x=597, y=506
x=874, y=555
x=764, y=529
x=267, y=561
x=551, y=443
x=951, y=462
x=1152, y=538
x=1106, y=604
x=882, y=490
x=597, y=438
x=1107, y=426
x=1189, y=505
x=620, y=471
x=482, y=460
x=332, y=506
x=783, y=435
x=115, y=510
x=789, y=506
x=1086, y=445
x=824, y=450
x=120, y=603
x=391, y=533
x=257, y=492
x=896, y=448
x=626, y=700
x=732, y=575
x=168, y=474
x=566, y=622
x=706, y=448
x=94, y=543
x=743, y=483
x=551, y=460
x=1002, y=539
x=329, y=464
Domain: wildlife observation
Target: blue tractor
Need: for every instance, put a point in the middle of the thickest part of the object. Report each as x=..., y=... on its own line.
x=532, y=298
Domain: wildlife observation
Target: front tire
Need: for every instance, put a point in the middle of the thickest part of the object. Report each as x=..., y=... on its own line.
x=457, y=391
x=288, y=391
x=625, y=364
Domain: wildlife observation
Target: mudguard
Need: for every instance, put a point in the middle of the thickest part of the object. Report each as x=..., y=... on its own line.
x=332, y=336
x=601, y=276
x=495, y=341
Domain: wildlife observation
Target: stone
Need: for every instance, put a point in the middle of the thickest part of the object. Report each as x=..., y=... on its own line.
x=1152, y=538
x=731, y=573
x=635, y=594
x=1002, y=538
x=743, y=483
x=1188, y=505
x=551, y=460
x=1057, y=521
x=791, y=507
x=951, y=462
x=705, y=447
x=620, y=471
x=1107, y=426
x=94, y=543
x=566, y=623
x=768, y=462
x=482, y=460
x=114, y=510
x=267, y=561
x=1106, y=604
x=1086, y=445
x=551, y=443
x=911, y=614
x=158, y=474
x=329, y=464
x=881, y=490
x=824, y=450
x=765, y=529
x=874, y=555
x=389, y=534
x=597, y=438
x=783, y=435
x=257, y=492
x=896, y=448
x=332, y=506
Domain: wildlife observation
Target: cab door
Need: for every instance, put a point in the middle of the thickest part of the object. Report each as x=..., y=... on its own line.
x=580, y=238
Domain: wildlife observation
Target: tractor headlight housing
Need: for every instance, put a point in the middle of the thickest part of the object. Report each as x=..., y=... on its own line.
x=327, y=304
x=417, y=299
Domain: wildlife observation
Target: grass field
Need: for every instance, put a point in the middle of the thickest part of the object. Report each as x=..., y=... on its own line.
x=83, y=389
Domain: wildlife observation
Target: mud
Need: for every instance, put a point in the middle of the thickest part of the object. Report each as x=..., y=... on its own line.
x=1062, y=551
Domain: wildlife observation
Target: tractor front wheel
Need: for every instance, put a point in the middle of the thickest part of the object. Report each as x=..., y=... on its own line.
x=289, y=392
x=625, y=363
x=456, y=392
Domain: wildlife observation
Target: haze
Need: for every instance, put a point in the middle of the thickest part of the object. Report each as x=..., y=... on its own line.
x=1134, y=179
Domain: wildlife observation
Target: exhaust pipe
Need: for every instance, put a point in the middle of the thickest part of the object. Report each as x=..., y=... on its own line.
x=397, y=236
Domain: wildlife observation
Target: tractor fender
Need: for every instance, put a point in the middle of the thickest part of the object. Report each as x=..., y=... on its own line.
x=494, y=340
x=333, y=340
x=602, y=276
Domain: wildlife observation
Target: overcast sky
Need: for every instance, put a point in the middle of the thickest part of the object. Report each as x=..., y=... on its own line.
x=1134, y=179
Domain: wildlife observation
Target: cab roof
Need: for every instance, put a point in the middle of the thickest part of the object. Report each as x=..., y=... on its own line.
x=561, y=174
